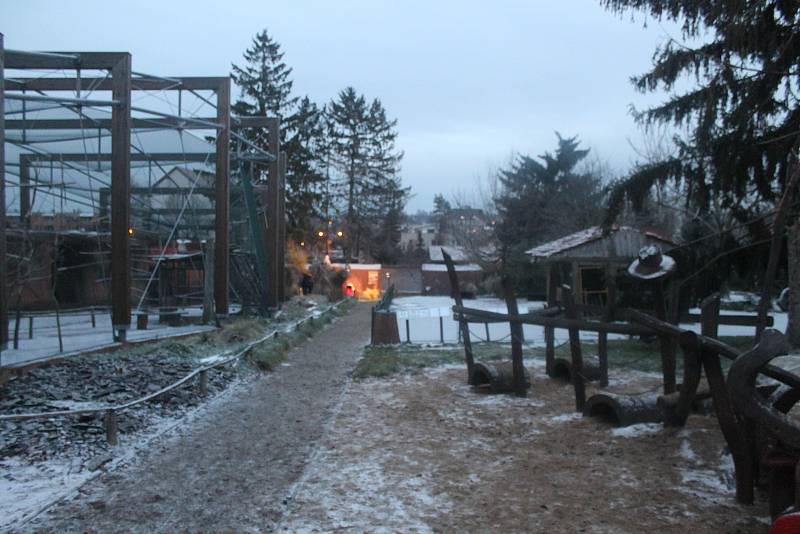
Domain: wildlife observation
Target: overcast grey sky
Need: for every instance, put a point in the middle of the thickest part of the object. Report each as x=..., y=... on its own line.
x=468, y=81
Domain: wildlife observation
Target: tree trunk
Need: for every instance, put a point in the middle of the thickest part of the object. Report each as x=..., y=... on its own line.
x=793, y=324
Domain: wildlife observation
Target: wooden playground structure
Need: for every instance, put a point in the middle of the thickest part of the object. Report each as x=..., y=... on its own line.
x=751, y=409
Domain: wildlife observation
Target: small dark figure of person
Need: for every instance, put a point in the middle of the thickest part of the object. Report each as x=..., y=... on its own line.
x=307, y=283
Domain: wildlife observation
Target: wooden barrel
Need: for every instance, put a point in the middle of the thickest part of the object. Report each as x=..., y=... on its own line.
x=496, y=377
x=562, y=368
x=624, y=410
x=384, y=328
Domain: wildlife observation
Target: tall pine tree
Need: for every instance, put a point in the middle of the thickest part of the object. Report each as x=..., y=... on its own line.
x=741, y=113
x=266, y=90
x=542, y=199
x=264, y=80
x=362, y=149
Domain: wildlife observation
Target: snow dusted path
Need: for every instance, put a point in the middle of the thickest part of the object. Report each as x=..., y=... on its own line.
x=230, y=470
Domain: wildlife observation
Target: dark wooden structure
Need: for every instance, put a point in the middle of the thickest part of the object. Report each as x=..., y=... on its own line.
x=120, y=81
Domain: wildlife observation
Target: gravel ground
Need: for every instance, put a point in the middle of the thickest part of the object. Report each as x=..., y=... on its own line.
x=229, y=471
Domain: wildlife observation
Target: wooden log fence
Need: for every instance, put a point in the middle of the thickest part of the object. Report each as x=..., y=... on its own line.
x=201, y=373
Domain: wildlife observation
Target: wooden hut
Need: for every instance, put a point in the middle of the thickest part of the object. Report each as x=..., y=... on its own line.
x=589, y=259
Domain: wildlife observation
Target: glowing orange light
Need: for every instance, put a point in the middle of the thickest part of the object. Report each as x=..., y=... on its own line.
x=131, y=231
x=340, y=233
x=302, y=243
x=320, y=233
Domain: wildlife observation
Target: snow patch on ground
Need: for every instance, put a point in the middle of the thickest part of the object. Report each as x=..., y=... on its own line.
x=639, y=429
x=715, y=485
x=563, y=418
x=28, y=489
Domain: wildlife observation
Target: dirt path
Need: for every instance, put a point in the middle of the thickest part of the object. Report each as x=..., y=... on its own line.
x=425, y=453
x=230, y=470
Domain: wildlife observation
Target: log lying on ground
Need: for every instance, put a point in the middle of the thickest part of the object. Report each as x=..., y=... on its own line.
x=562, y=368
x=624, y=410
x=496, y=377
x=668, y=405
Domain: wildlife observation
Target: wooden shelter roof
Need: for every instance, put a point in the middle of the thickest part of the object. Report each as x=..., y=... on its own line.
x=621, y=243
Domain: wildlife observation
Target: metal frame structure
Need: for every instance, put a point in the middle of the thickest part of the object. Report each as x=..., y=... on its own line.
x=121, y=83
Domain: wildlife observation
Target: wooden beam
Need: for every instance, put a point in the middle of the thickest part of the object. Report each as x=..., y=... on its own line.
x=462, y=323
x=3, y=263
x=272, y=235
x=194, y=83
x=575, y=351
x=120, y=197
x=515, y=327
x=22, y=59
x=282, y=229
x=192, y=157
x=549, y=332
x=142, y=123
x=735, y=320
x=222, y=203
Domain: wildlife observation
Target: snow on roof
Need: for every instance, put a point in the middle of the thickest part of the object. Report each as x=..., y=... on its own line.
x=567, y=242
x=438, y=267
x=457, y=253
x=589, y=235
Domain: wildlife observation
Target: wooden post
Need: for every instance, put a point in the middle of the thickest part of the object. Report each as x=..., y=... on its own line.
x=486, y=329
x=16, y=329
x=110, y=423
x=665, y=342
x=209, y=255
x=778, y=226
x=463, y=326
x=549, y=331
x=728, y=422
x=517, y=365
x=30, y=327
x=3, y=262
x=408, y=332
x=222, y=199
x=120, y=197
x=272, y=235
x=575, y=349
x=281, y=218
x=608, y=315
x=58, y=327
x=793, y=326
x=441, y=330
x=24, y=188
x=94, y=320
x=203, y=382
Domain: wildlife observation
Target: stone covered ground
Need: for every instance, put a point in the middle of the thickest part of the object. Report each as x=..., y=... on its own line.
x=307, y=448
